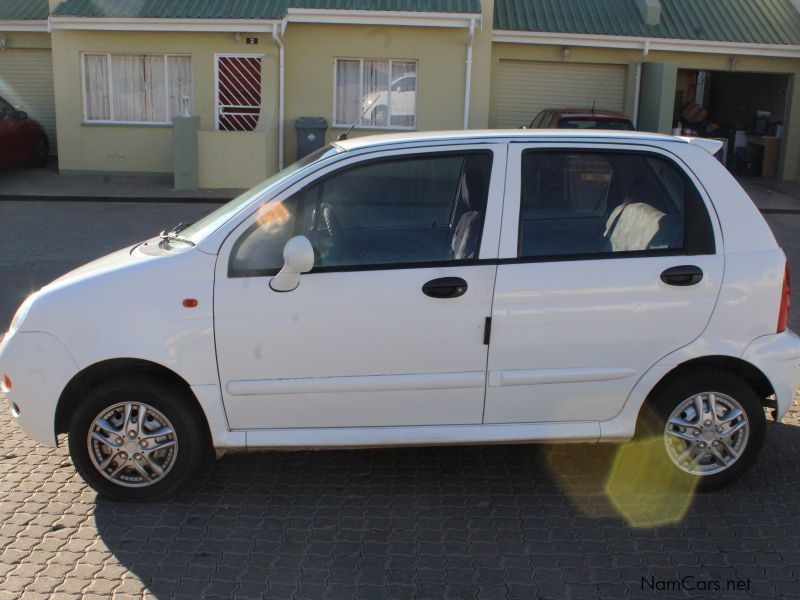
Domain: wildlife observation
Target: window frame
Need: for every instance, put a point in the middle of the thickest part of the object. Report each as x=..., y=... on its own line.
x=361, y=124
x=247, y=227
x=696, y=242
x=110, y=75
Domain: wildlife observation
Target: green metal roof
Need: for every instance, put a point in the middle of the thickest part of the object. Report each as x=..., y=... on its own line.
x=174, y=9
x=753, y=21
x=23, y=10
x=246, y=9
x=435, y=6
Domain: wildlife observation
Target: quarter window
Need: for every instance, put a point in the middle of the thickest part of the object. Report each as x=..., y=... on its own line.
x=604, y=203
x=134, y=88
x=402, y=211
x=384, y=91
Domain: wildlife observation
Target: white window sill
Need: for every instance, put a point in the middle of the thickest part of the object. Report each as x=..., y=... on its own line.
x=127, y=124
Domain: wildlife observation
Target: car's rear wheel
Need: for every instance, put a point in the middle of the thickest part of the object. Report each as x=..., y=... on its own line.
x=712, y=424
x=137, y=439
x=41, y=152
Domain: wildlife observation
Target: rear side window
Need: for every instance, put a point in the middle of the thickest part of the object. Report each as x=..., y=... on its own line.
x=599, y=204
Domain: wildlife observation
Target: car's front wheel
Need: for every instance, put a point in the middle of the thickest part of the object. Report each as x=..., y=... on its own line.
x=712, y=424
x=137, y=439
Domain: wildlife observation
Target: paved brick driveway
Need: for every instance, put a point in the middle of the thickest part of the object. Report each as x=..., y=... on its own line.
x=490, y=522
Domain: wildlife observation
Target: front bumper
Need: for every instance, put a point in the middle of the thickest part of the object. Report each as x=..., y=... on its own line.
x=778, y=357
x=39, y=367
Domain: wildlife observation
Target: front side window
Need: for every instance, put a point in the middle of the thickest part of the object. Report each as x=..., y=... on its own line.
x=603, y=203
x=399, y=211
x=384, y=91
x=134, y=88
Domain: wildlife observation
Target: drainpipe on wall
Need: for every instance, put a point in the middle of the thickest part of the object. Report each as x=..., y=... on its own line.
x=638, y=95
x=281, y=79
x=468, y=80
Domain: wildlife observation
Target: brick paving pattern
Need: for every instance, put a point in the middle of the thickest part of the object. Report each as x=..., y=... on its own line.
x=488, y=522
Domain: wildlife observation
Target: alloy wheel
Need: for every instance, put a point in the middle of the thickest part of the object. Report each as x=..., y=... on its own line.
x=706, y=433
x=132, y=444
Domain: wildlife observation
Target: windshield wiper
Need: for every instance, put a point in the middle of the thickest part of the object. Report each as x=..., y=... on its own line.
x=172, y=235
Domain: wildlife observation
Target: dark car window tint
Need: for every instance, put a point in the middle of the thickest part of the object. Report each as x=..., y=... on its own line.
x=6, y=110
x=398, y=211
x=597, y=203
x=579, y=123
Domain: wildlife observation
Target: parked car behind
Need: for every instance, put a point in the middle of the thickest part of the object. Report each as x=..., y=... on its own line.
x=428, y=288
x=23, y=141
x=581, y=118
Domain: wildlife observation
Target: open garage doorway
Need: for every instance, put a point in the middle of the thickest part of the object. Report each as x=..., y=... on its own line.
x=746, y=110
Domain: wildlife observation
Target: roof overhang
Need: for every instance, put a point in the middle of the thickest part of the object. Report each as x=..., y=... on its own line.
x=38, y=26
x=640, y=43
x=381, y=17
x=137, y=24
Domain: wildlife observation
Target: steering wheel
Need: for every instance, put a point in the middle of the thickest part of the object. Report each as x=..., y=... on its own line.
x=340, y=243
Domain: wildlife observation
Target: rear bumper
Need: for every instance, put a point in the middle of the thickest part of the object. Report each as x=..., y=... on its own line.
x=39, y=367
x=778, y=357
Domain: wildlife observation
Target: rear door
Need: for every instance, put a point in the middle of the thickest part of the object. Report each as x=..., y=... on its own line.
x=599, y=247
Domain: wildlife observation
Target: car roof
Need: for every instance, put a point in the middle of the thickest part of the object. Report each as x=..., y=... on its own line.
x=500, y=135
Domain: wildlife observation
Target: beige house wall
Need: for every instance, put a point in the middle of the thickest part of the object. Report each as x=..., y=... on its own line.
x=311, y=51
x=148, y=148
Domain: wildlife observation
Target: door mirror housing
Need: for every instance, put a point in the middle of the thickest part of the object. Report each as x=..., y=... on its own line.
x=22, y=115
x=298, y=258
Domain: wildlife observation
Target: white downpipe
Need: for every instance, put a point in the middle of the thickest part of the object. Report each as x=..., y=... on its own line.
x=468, y=79
x=638, y=94
x=281, y=90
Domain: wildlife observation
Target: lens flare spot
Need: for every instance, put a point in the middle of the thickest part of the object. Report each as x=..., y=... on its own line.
x=645, y=488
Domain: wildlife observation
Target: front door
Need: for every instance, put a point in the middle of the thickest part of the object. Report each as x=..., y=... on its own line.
x=13, y=136
x=388, y=327
x=612, y=262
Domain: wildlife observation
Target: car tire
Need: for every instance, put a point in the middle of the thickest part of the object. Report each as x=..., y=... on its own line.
x=41, y=152
x=677, y=403
x=114, y=444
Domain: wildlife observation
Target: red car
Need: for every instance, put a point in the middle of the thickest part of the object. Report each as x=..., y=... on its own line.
x=581, y=118
x=23, y=141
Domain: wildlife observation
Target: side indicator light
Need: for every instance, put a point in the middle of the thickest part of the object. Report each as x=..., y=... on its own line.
x=6, y=384
x=190, y=303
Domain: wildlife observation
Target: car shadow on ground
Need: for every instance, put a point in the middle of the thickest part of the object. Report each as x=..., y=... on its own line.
x=518, y=521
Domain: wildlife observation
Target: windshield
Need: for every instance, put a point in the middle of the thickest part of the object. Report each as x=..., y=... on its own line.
x=197, y=232
x=589, y=123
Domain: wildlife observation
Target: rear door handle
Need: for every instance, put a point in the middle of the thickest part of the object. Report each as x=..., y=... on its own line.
x=682, y=275
x=445, y=287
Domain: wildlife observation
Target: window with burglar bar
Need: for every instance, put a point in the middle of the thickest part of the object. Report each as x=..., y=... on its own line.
x=383, y=90
x=135, y=88
x=238, y=92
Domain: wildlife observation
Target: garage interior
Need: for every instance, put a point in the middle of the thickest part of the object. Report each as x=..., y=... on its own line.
x=746, y=111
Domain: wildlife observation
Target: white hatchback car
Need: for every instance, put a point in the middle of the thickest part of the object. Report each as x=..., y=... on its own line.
x=440, y=288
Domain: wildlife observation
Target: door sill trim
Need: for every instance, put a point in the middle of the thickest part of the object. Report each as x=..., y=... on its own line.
x=423, y=435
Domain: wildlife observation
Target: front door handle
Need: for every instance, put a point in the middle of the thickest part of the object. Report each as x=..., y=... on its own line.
x=682, y=275
x=445, y=287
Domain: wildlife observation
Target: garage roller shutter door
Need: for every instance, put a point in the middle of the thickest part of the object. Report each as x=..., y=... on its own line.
x=523, y=88
x=26, y=81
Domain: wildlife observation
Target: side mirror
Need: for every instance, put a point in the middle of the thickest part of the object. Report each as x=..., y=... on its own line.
x=22, y=115
x=298, y=257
